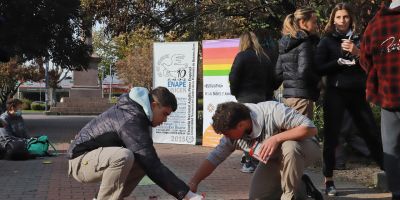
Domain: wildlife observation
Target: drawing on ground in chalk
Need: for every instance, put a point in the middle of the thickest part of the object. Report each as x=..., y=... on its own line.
x=172, y=66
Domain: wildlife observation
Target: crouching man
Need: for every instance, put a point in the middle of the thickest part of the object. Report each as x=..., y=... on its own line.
x=287, y=145
x=116, y=147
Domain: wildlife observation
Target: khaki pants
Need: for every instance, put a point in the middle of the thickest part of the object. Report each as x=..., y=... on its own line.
x=280, y=178
x=113, y=166
x=303, y=106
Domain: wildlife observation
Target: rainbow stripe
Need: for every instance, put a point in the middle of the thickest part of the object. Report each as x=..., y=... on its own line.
x=218, y=56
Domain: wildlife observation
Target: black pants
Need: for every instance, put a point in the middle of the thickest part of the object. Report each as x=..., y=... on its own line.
x=336, y=101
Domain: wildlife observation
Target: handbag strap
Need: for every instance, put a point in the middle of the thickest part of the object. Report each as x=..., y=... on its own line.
x=55, y=150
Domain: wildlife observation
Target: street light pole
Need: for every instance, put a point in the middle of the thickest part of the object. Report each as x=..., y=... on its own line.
x=109, y=96
x=46, y=76
x=101, y=81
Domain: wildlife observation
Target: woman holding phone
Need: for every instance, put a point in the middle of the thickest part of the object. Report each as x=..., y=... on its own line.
x=337, y=58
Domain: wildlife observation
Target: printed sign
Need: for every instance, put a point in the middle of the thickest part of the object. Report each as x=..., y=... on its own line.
x=218, y=56
x=175, y=67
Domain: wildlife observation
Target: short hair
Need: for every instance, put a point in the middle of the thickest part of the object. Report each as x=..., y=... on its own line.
x=13, y=103
x=228, y=115
x=164, y=97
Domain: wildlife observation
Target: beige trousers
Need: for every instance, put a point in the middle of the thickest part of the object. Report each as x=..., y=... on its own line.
x=113, y=166
x=280, y=178
x=303, y=106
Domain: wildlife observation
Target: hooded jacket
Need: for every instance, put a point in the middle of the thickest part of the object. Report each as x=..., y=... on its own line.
x=328, y=52
x=295, y=66
x=14, y=125
x=380, y=57
x=127, y=125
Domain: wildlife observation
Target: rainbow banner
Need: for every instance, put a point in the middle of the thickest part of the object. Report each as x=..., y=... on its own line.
x=218, y=56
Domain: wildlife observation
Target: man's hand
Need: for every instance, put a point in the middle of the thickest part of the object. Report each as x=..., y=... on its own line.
x=269, y=146
x=193, y=186
x=193, y=196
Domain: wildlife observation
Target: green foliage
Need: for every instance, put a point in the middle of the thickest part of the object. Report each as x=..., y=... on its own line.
x=319, y=120
x=114, y=100
x=44, y=28
x=12, y=74
x=182, y=20
x=38, y=106
x=26, y=104
x=376, y=111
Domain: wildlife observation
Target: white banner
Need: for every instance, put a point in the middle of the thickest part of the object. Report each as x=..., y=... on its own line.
x=175, y=67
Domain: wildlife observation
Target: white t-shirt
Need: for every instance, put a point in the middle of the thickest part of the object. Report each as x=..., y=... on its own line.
x=394, y=4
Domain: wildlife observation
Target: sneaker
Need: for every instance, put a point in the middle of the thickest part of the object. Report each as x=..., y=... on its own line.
x=331, y=191
x=248, y=168
x=243, y=160
x=311, y=190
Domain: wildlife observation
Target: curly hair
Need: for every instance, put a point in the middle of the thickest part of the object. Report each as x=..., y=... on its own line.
x=228, y=115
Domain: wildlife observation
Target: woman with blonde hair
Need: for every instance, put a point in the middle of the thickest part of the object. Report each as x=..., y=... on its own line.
x=337, y=59
x=251, y=79
x=295, y=65
x=251, y=73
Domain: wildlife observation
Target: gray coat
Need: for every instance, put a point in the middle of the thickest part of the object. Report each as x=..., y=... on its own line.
x=14, y=125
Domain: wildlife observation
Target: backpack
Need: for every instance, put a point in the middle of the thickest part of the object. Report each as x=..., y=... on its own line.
x=39, y=146
x=16, y=150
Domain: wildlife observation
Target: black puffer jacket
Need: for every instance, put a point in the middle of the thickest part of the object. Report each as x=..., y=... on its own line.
x=251, y=77
x=295, y=67
x=340, y=76
x=126, y=124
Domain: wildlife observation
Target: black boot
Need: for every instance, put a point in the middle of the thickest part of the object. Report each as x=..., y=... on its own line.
x=311, y=190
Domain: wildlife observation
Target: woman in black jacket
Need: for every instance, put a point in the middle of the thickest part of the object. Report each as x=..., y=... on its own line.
x=337, y=58
x=251, y=80
x=251, y=75
x=295, y=65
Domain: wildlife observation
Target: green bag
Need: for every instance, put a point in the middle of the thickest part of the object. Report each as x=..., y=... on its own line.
x=39, y=146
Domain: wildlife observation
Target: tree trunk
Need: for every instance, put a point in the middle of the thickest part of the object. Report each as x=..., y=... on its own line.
x=52, y=97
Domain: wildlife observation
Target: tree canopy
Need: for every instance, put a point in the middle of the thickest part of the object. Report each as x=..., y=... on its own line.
x=44, y=28
x=191, y=20
x=12, y=75
x=184, y=20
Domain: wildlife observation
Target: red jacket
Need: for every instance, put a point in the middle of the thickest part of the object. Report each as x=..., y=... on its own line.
x=380, y=58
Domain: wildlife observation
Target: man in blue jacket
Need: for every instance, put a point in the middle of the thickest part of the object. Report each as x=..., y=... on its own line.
x=116, y=147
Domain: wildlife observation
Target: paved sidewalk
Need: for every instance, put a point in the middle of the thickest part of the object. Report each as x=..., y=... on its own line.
x=34, y=180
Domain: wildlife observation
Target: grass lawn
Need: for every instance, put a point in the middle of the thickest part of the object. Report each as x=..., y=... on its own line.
x=32, y=111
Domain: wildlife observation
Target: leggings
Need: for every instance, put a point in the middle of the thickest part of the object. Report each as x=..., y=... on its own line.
x=336, y=101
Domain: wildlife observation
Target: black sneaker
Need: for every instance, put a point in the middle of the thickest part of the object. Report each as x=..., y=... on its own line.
x=311, y=190
x=330, y=189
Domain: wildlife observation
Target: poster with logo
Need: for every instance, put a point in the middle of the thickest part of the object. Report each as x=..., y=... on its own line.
x=218, y=56
x=175, y=67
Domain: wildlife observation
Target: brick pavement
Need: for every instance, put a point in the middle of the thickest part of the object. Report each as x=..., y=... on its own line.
x=37, y=181
x=33, y=180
